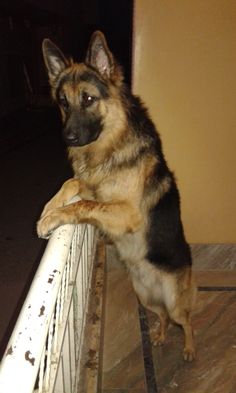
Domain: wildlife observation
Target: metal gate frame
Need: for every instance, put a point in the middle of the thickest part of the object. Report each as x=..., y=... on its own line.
x=44, y=351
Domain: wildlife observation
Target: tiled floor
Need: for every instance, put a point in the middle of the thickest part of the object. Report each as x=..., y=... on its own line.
x=162, y=369
x=215, y=338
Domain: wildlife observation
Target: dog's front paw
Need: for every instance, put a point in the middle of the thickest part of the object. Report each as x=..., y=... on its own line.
x=53, y=204
x=47, y=224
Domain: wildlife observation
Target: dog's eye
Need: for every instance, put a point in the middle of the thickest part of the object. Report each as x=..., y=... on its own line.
x=88, y=100
x=64, y=103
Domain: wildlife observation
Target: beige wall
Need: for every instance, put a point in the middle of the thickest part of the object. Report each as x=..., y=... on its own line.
x=185, y=72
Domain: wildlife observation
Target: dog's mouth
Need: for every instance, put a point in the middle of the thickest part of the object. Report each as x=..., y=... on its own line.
x=83, y=140
x=72, y=141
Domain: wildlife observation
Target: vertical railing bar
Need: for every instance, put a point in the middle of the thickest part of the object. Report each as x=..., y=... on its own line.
x=69, y=345
x=74, y=331
x=86, y=258
x=63, y=374
x=57, y=313
x=49, y=353
x=66, y=278
x=72, y=259
x=75, y=321
x=78, y=305
x=85, y=263
x=82, y=277
x=41, y=372
x=88, y=254
x=62, y=297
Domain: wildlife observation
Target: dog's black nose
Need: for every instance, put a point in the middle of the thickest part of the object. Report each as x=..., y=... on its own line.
x=70, y=137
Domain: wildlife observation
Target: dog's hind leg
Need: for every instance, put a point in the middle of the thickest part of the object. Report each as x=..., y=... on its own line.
x=159, y=330
x=182, y=317
x=179, y=295
x=179, y=310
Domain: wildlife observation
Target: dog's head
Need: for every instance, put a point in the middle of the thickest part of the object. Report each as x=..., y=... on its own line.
x=83, y=90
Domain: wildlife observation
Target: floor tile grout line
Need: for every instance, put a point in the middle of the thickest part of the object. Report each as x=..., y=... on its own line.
x=147, y=352
x=216, y=289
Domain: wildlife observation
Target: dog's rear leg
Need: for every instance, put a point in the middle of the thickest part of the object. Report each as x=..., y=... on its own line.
x=158, y=331
x=182, y=317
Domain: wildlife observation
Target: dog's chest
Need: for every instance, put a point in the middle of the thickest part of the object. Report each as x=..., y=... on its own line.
x=131, y=247
x=124, y=185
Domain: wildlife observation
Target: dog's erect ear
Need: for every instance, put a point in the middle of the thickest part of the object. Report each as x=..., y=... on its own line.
x=54, y=59
x=99, y=56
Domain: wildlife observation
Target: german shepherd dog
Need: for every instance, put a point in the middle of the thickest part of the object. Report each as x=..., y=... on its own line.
x=126, y=187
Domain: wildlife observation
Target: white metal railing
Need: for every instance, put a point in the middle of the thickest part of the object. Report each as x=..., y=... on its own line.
x=44, y=351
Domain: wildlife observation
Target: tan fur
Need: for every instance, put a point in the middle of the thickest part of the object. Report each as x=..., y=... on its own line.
x=116, y=198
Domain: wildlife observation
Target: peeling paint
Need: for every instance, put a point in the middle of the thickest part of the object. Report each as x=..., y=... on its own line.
x=94, y=318
x=28, y=358
x=52, y=276
x=9, y=351
x=41, y=311
x=92, y=365
x=92, y=353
